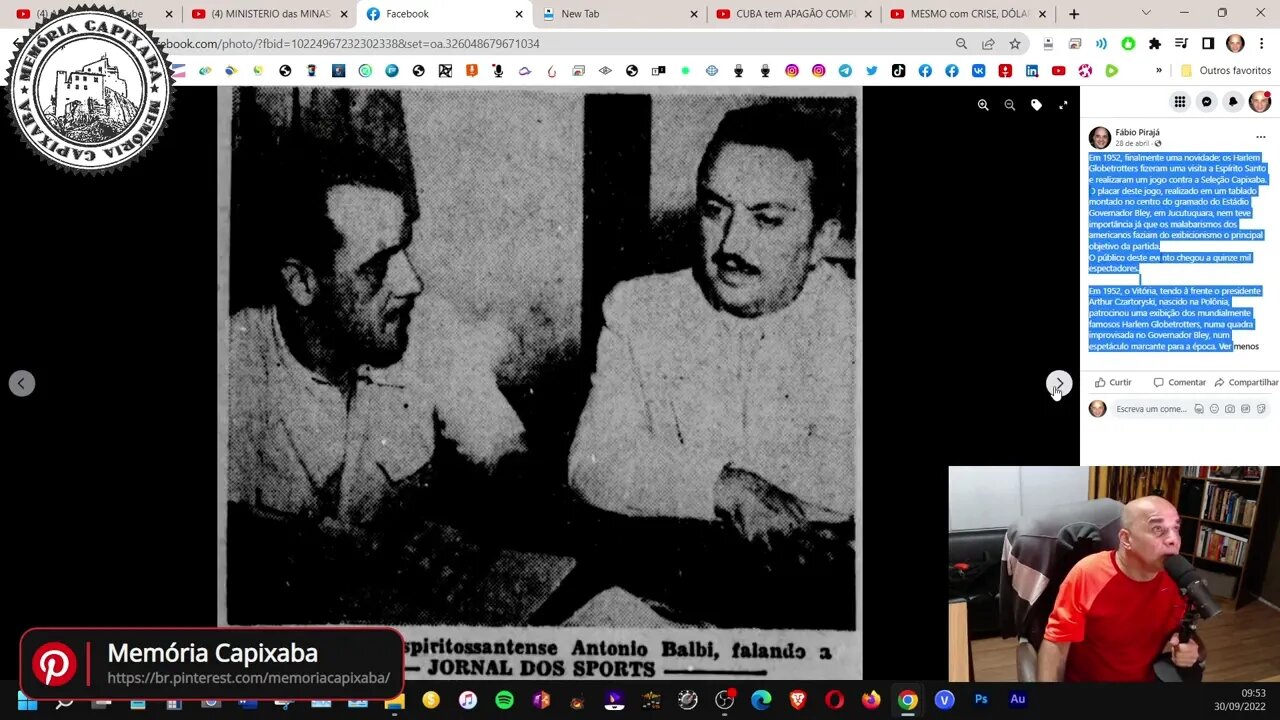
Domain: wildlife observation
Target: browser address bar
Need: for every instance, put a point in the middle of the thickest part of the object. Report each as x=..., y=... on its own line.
x=601, y=43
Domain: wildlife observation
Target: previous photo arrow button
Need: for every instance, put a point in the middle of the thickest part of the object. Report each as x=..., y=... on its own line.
x=22, y=383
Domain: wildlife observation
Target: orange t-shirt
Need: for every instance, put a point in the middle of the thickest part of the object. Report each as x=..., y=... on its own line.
x=1116, y=625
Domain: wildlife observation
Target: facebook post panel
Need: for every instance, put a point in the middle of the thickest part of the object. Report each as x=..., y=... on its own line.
x=1178, y=357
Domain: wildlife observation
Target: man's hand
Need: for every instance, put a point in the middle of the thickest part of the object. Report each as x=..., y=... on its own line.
x=1184, y=654
x=755, y=507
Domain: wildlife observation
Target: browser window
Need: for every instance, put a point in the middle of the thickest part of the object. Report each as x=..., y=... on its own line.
x=613, y=357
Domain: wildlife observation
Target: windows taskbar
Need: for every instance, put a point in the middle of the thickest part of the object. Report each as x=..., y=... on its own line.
x=745, y=699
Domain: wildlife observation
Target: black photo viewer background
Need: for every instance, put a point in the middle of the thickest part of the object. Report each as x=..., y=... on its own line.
x=970, y=299
x=108, y=285
x=969, y=292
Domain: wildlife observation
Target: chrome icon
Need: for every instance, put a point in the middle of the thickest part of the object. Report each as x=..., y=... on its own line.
x=908, y=699
x=871, y=700
x=761, y=699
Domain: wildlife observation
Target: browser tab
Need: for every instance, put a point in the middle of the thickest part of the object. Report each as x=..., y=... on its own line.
x=164, y=14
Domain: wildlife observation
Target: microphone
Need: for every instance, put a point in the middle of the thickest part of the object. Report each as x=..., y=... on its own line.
x=1192, y=585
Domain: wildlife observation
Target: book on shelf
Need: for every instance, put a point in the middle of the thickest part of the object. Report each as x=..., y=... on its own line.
x=1221, y=546
x=1222, y=504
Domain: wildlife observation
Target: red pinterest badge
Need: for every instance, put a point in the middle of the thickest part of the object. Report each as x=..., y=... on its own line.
x=54, y=664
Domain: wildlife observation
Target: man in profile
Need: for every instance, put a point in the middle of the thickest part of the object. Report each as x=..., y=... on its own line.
x=1100, y=138
x=1235, y=43
x=1118, y=610
x=724, y=393
x=348, y=392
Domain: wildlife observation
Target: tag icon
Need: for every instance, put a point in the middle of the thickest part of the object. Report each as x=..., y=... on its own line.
x=798, y=699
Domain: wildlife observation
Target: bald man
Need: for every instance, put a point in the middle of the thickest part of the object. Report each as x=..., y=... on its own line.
x=1118, y=610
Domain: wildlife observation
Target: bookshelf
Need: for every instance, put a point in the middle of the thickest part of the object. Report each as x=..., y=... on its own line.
x=1228, y=523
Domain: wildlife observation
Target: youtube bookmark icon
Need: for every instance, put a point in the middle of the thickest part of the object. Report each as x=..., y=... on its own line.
x=24, y=14
x=1059, y=69
x=722, y=14
x=897, y=14
x=198, y=14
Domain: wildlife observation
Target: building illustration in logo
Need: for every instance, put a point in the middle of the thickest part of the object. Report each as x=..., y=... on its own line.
x=92, y=103
x=89, y=89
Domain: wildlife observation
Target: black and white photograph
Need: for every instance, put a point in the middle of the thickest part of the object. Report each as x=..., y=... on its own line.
x=527, y=365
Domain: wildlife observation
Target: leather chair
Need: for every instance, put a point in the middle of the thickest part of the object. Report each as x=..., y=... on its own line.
x=978, y=548
x=1039, y=551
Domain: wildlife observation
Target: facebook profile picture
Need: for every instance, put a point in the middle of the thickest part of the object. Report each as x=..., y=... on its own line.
x=373, y=13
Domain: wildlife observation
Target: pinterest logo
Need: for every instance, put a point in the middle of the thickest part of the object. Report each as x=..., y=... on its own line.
x=54, y=664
